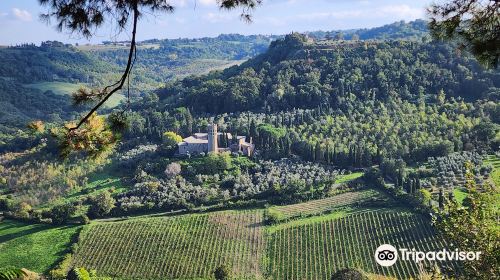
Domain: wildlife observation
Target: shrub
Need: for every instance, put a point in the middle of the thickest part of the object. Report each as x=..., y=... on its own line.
x=22, y=210
x=84, y=219
x=101, y=204
x=62, y=269
x=349, y=274
x=172, y=170
x=61, y=213
x=222, y=272
x=6, y=204
x=78, y=273
x=169, y=141
x=36, y=215
x=272, y=216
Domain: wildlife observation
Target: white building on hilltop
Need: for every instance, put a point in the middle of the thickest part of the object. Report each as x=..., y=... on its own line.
x=209, y=143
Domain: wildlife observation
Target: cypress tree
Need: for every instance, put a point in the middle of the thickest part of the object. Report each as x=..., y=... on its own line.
x=317, y=149
x=441, y=198
x=189, y=122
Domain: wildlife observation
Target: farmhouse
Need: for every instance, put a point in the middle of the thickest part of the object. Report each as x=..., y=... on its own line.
x=209, y=143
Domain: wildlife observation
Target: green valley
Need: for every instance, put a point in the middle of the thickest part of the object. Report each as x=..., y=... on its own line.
x=249, y=156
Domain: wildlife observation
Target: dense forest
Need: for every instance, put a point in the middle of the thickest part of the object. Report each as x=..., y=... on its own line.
x=297, y=74
x=51, y=61
x=349, y=103
x=35, y=77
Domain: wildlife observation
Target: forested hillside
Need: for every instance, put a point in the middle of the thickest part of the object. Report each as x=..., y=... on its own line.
x=36, y=81
x=413, y=30
x=51, y=61
x=42, y=76
x=341, y=102
x=161, y=60
x=26, y=69
x=348, y=104
x=297, y=74
x=357, y=134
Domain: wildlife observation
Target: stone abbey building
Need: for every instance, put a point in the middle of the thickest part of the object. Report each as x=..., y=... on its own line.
x=209, y=143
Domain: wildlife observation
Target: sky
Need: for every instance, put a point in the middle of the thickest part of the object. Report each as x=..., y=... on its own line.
x=20, y=23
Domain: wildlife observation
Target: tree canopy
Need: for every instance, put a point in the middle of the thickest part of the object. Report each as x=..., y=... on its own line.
x=475, y=24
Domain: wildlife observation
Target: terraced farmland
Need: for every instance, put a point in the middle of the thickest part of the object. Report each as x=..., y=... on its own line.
x=327, y=204
x=316, y=250
x=175, y=247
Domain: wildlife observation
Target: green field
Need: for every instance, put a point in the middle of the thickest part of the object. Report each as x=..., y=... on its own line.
x=494, y=161
x=35, y=247
x=348, y=177
x=63, y=88
x=460, y=194
x=320, y=206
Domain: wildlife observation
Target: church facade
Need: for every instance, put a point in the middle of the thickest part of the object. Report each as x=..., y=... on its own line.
x=209, y=143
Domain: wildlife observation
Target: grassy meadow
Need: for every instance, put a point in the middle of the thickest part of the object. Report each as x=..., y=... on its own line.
x=35, y=247
x=65, y=88
x=494, y=161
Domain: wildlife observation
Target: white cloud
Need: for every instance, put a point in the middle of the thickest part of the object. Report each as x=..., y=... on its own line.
x=217, y=17
x=400, y=11
x=180, y=20
x=404, y=11
x=22, y=15
x=207, y=2
x=325, y=15
x=178, y=3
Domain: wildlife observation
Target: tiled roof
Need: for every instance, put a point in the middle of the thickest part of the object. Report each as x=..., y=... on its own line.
x=192, y=140
x=200, y=135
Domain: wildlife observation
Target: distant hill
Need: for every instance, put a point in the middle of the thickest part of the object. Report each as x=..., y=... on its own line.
x=398, y=30
x=298, y=73
x=413, y=30
x=51, y=61
x=25, y=68
x=161, y=60
x=35, y=81
x=49, y=72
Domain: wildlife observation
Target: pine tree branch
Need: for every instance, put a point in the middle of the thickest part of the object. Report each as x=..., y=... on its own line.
x=120, y=83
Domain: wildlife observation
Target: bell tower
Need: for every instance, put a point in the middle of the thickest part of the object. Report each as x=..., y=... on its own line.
x=212, y=138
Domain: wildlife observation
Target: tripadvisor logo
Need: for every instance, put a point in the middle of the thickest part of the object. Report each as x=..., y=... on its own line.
x=387, y=255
